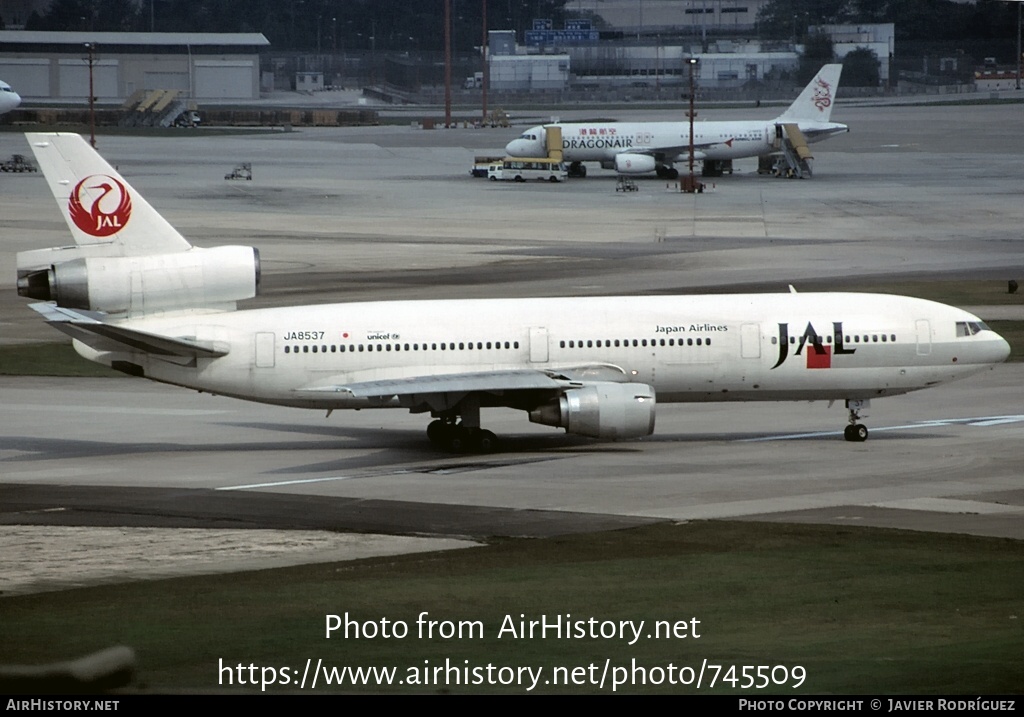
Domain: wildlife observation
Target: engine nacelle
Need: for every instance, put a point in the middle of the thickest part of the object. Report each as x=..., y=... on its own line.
x=634, y=163
x=601, y=410
x=197, y=278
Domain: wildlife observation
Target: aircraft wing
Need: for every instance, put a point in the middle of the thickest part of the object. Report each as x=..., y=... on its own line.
x=671, y=152
x=89, y=328
x=484, y=381
x=494, y=382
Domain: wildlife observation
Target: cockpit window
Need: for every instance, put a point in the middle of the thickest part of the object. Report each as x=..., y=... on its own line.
x=970, y=328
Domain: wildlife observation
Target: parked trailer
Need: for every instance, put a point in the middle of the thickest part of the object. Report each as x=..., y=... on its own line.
x=17, y=163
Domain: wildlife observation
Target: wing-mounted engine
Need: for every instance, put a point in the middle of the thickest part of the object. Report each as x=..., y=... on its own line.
x=198, y=278
x=601, y=410
x=634, y=163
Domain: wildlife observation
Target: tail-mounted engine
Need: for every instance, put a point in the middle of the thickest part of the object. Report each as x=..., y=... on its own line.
x=197, y=278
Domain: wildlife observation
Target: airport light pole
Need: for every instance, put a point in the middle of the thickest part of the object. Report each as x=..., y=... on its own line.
x=90, y=47
x=691, y=182
x=487, y=66
x=447, y=63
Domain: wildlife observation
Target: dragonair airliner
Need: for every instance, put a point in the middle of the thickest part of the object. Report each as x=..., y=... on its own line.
x=9, y=99
x=136, y=296
x=643, y=147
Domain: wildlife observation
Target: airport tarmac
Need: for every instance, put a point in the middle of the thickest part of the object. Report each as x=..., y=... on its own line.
x=350, y=214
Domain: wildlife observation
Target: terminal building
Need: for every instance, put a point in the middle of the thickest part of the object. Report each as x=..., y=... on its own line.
x=200, y=66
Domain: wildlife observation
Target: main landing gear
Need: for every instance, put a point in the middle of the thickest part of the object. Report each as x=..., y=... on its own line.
x=465, y=435
x=460, y=438
x=856, y=432
x=577, y=169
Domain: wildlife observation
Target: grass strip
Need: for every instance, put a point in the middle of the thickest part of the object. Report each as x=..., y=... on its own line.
x=862, y=610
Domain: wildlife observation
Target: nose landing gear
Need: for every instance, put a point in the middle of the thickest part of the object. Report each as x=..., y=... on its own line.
x=856, y=432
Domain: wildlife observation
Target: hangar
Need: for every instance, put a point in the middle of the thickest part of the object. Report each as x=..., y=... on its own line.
x=202, y=66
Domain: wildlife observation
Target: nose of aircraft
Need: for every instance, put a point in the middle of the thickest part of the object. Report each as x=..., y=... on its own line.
x=1000, y=349
x=515, y=148
x=9, y=99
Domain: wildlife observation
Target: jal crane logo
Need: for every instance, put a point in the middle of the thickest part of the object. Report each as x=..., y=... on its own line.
x=100, y=205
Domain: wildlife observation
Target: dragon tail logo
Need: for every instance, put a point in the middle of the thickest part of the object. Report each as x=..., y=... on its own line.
x=822, y=97
x=103, y=215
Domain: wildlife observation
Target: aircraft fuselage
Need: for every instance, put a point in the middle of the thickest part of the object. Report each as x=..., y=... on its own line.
x=601, y=142
x=687, y=348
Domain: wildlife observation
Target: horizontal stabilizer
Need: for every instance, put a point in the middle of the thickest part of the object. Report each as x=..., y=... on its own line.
x=86, y=327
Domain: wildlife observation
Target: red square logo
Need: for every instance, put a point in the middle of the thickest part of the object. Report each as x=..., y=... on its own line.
x=819, y=360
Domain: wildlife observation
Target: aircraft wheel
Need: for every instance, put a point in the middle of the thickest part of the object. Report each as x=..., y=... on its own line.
x=856, y=433
x=460, y=440
x=486, y=442
x=438, y=431
x=583, y=170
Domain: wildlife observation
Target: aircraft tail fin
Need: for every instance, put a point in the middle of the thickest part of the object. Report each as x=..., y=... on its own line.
x=127, y=259
x=101, y=209
x=816, y=101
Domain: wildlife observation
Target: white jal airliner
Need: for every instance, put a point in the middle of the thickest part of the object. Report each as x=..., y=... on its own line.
x=136, y=296
x=9, y=99
x=642, y=147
